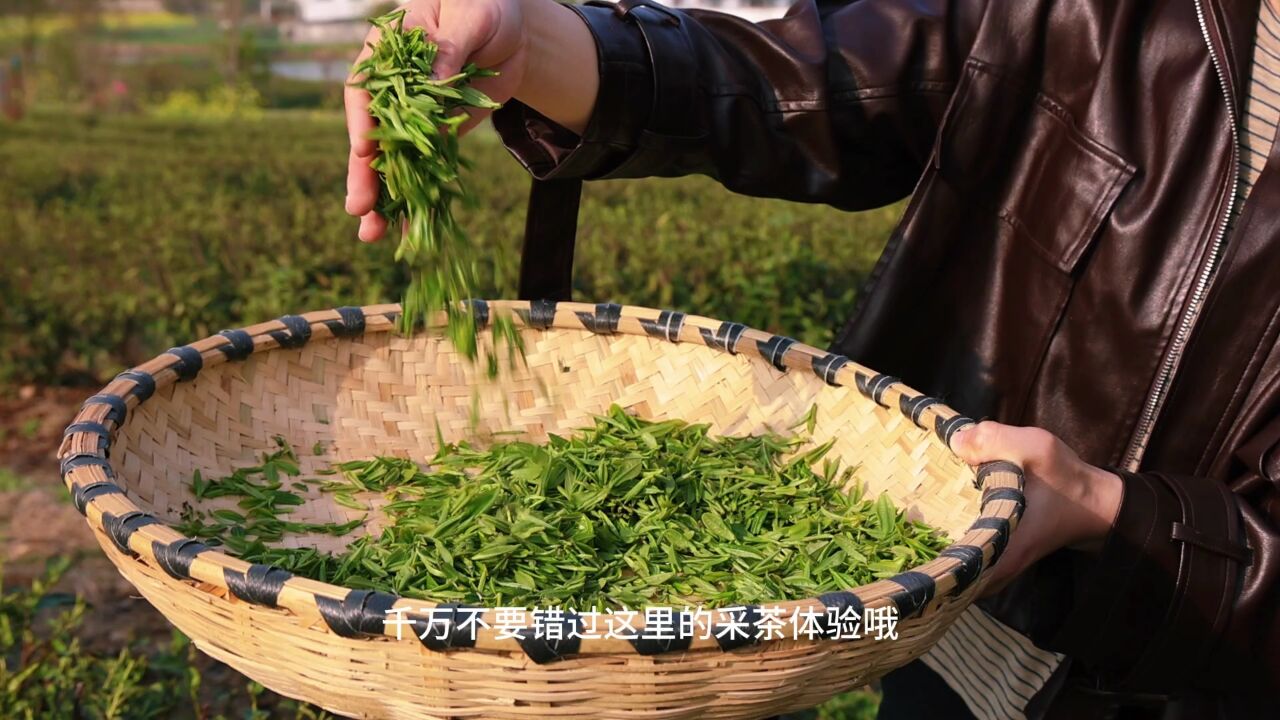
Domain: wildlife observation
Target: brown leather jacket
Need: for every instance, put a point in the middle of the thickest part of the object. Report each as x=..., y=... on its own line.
x=1065, y=261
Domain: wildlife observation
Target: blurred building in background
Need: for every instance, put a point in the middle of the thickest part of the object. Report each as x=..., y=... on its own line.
x=323, y=11
x=133, y=6
x=330, y=21
x=335, y=21
x=753, y=10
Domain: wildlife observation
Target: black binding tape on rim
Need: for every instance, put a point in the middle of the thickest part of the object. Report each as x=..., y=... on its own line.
x=360, y=613
x=995, y=466
x=946, y=428
x=840, y=605
x=122, y=527
x=724, y=337
x=296, y=332
x=775, y=350
x=655, y=641
x=239, y=345
x=92, y=428
x=189, y=363
x=828, y=365
x=666, y=327
x=82, y=494
x=1001, y=526
x=79, y=460
x=479, y=311
x=915, y=407
x=350, y=322
x=874, y=386
x=260, y=584
x=994, y=494
x=542, y=313
x=144, y=384
x=540, y=646
x=118, y=410
x=604, y=321
x=742, y=631
x=917, y=590
x=970, y=567
x=175, y=558
x=448, y=626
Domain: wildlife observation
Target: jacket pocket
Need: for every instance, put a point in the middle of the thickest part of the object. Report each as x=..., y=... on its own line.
x=991, y=247
x=1021, y=155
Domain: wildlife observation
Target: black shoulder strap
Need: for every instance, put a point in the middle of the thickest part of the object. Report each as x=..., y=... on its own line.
x=550, y=230
x=546, y=265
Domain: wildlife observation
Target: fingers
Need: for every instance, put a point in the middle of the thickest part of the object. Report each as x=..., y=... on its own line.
x=372, y=227
x=988, y=441
x=362, y=185
x=356, y=102
x=359, y=122
x=362, y=180
x=462, y=30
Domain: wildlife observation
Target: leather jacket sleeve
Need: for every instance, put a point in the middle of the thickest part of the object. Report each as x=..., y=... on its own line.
x=1184, y=592
x=838, y=102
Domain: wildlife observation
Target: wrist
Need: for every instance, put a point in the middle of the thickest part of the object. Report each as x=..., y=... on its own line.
x=1101, y=494
x=561, y=78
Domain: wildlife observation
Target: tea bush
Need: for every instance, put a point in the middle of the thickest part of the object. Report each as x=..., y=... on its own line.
x=124, y=235
x=48, y=674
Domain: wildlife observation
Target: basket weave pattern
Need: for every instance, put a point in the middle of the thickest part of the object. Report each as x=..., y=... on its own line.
x=343, y=380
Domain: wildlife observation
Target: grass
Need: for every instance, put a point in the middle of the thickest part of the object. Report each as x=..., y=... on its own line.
x=14, y=27
x=48, y=674
x=11, y=481
x=29, y=428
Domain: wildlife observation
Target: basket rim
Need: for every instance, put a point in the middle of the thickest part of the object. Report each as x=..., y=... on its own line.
x=90, y=477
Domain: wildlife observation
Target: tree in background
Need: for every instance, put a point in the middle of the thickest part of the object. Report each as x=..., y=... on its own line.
x=233, y=16
x=13, y=84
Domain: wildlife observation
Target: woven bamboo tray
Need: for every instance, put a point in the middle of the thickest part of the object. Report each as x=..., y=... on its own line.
x=345, y=380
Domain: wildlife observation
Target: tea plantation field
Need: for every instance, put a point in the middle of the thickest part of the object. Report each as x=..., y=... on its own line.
x=123, y=236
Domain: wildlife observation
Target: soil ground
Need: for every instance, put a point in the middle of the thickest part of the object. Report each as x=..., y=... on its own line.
x=38, y=521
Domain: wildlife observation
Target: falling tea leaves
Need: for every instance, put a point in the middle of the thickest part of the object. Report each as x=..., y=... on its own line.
x=420, y=166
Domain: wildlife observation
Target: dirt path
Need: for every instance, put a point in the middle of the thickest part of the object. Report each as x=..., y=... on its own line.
x=39, y=523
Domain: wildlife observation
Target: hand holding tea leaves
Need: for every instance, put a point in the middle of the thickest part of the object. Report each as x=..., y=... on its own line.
x=528, y=43
x=417, y=135
x=483, y=33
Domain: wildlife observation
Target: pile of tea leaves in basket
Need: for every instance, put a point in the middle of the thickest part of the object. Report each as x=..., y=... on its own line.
x=626, y=513
x=420, y=166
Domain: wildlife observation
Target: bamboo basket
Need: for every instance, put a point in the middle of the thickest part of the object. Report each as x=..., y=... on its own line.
x=345, y=380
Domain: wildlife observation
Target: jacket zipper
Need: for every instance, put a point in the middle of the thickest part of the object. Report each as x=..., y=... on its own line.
x=1150, y=411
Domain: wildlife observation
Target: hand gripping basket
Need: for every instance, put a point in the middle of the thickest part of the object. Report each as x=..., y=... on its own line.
x=345, y=380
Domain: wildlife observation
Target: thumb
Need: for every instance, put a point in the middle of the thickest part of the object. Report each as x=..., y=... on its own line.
x=463, y=30
x=988, y=441
x=450, y=58
x=970, y=441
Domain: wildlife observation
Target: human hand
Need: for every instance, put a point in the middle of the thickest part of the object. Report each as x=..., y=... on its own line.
x=1070, y=503
x=489, y=33
x=543, y=53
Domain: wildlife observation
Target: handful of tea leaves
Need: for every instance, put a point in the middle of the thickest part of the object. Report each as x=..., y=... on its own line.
x=419, y=164
x=625, y=513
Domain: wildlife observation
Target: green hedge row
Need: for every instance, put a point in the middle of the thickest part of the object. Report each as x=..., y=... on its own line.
x=124, y=235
